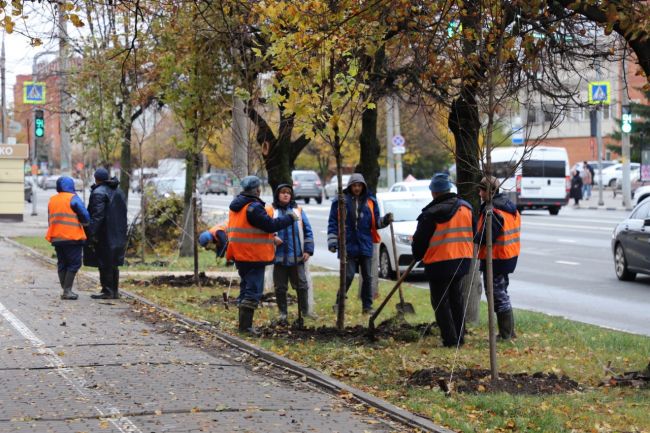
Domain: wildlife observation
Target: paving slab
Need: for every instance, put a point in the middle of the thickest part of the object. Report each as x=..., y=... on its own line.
x=87, y=366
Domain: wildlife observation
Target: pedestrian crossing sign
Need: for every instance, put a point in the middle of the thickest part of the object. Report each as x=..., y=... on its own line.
x=599, y=92
x=33, y=92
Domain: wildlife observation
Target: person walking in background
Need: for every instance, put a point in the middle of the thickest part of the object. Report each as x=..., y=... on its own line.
x=294, y=245
x=215, y=236
x=361, y=225
x=251, y=245
x=66, y=216
x=576, y=188
x=443, y=240
x=587, y=176
x=506, y=228
x=106, y=232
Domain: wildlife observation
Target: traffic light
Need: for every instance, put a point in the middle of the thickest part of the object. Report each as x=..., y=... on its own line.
x=626, y=119
x=39, y=124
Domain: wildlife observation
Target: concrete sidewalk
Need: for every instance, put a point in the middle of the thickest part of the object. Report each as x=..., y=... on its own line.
x=72, y=366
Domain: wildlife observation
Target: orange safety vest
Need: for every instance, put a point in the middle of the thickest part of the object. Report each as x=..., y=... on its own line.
x=373, y=227
x=452, y=239
x=213, y=231
x=63, y=223
x=247, y=243
x=507, y=245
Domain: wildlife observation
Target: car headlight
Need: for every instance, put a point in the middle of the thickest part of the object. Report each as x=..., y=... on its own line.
x=404, y=239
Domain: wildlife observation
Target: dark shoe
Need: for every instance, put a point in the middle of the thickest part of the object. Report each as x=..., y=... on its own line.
x=281, y=301
x=102, y=295
x=369, y=311
x=506, y=324
x=69, y=296
x=282, y=320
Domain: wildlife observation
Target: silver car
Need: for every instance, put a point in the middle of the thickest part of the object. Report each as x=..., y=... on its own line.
x=406, y=207
x=307, y=185
x=332, y=187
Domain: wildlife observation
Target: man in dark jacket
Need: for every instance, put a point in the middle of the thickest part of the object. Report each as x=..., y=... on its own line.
x=361, y=224
x=443, y=241
x=506, y=227
x=106, y=232
x=66, y=217
x=294, y=246
x=251, y=246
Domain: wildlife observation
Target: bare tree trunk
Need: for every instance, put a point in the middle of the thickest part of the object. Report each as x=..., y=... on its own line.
x=340, y=314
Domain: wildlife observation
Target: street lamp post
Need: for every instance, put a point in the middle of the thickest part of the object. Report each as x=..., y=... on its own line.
x=33, y=153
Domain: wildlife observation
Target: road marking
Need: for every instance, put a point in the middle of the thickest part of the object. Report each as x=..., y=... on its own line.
x=77, y=381
x=562, y=262
x=567, y=226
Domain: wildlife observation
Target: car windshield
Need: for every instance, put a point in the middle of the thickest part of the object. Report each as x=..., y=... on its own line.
x=305, y=177
x=424, y=187
x=405, y=209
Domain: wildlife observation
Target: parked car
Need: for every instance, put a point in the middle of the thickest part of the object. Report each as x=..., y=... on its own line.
x=332, y=187
x=307, y=185
x=50, y=182
x=214, y=183
x=640, y=194
x=405, y=206
x=612, y=173
x=414, y=186
x=145, y=173
x=631, y=243
x=28, y=189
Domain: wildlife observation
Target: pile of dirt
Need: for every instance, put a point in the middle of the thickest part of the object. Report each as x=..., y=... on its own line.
x=479, y=381
x=187, y=281
x=393, y=328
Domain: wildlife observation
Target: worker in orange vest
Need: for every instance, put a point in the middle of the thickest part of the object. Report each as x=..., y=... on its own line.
x=506, y=228
x=251, y=245
x=444, y=241
x=216, y=235
x=66, y=216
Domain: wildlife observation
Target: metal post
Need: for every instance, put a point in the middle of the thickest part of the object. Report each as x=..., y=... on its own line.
x=2, y=83
x=599, y=141
x=399, y=176
x=625, y=149
x=390, y=165
x=63, y=70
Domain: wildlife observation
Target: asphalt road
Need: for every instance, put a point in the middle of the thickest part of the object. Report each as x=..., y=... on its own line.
x=565, y=268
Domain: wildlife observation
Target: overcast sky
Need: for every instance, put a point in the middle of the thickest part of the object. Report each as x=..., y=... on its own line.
x=18, y=51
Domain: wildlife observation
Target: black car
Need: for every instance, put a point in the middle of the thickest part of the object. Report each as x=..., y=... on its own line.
x=631, y=243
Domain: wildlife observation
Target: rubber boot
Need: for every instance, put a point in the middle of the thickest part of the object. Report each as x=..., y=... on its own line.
x=506, y=323
x=61, y=278
x=68, y=294
x=303, y=302
x=246, y=320
x=281, y=300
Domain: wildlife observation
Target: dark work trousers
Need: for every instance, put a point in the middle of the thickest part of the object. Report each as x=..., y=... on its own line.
x=364, y=264
x=251, y=283
x=109, y=277
x=500, y=284
x=68, y=257
x=295, y=274
x=448, y=306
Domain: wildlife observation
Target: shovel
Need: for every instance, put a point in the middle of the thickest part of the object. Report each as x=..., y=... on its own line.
x=402, y=307
x=398, y=285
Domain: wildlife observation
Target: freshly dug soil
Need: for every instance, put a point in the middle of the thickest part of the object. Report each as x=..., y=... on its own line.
x=186, y=281
x=479, y=381
x=391, y=328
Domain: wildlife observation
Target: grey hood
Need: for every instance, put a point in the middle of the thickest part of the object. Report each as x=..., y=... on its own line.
x=356, y=178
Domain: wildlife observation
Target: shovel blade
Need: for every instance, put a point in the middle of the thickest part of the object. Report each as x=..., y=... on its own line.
x=405, y=308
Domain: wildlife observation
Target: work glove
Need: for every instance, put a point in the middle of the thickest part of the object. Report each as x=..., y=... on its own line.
x=293, y=214
x=388, y=218
x=332, y=247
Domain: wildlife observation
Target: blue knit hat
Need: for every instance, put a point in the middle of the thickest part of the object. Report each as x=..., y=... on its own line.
x=250, y=183
x=440, y=183
x=101, y=174
x=205, y=238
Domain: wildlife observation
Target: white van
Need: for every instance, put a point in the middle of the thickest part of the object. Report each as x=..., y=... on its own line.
x=534, y=178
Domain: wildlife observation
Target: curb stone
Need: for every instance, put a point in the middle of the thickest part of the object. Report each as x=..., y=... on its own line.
x=394, y=412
